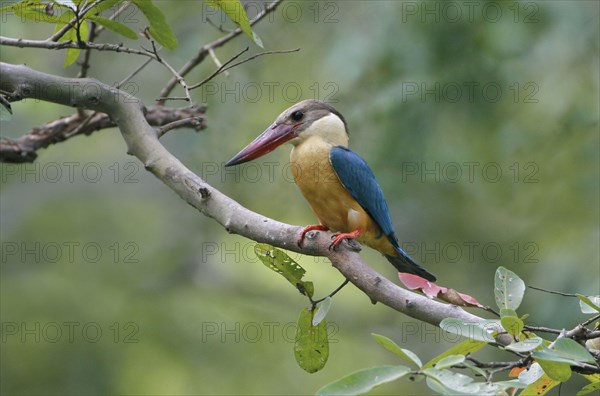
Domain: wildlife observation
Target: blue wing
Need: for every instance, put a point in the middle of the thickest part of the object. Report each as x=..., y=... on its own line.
x=357, y=177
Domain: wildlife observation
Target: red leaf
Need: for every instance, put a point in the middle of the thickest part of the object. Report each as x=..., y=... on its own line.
x=415, y=282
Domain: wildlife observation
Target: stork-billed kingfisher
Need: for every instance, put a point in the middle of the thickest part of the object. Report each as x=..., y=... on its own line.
x=337, y=183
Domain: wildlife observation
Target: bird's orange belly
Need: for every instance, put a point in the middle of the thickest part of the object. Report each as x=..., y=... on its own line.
x=334, y=206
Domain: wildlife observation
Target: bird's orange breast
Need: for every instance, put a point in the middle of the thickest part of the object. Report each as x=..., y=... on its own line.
x=333, y=205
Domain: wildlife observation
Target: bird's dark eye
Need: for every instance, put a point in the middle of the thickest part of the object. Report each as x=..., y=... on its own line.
x=297, y=115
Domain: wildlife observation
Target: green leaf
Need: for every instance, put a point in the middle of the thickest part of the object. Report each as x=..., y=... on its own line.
x=235, y=11
x=451, y=383
x=513, y=325
x=312, y=345
x=322, y=310
x=475, y=369
x=115, y=26
x=363, y=381
x=565, y=350
x=526, y=345
x=283, y=264
x=159, y=28
x=103, y=6
x=36, y=11
x=449, y=361
x=557, y=371
x=394, y=348
x=589, y=305
x=508, y=289
x=71, y=35
x=540, y=387
x=464, y=348
x=589, y=388
x=482, y=331
x=532, y=374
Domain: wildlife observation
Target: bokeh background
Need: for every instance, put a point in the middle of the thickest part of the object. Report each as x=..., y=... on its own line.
x=479, y=119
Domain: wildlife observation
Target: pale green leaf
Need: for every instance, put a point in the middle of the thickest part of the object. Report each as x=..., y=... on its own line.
x=464, y=348
x=322, y=310
x=482, y=331
x=394, y=348
x=589, y=305
x=363, y=381
x=565, y=350
x=508, y=289
x=452, y=383
x=449, y=361
x=311, y=348
x=526, y=345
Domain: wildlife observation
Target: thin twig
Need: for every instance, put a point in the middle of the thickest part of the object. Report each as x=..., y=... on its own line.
x=330, y=295
x=190, y=121
x=590, y=320
x=215, y=59
x=174, y=72
x=552, y=291
x=542, y=329
x=213, y=74
x=261, y=54
x=204, y=50
x=75, y=21
x=22, y=43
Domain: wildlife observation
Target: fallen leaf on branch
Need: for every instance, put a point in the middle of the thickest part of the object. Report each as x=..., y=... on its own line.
x=415, y=282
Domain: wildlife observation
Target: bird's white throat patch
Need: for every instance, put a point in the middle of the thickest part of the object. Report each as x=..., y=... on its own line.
x=329, y=128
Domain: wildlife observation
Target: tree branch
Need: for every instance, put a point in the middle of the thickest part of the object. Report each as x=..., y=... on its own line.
x=23, y=149
x=142, y=142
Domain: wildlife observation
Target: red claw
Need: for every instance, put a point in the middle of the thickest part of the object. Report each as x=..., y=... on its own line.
x=319, y=227
x=338, y=238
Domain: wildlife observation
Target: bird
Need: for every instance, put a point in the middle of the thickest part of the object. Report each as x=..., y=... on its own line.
x=338, y=184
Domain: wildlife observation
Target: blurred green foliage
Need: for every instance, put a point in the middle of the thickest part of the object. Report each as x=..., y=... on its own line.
x=185, y=308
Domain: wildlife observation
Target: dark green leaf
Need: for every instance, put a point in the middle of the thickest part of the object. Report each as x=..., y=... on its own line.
x=363, y=381
x=115, y=26
x=159, y=28
x=322, y=310
x=508, y=289
x=312, y=346
x=394, y=348
x=235, y=11
x=283, y=264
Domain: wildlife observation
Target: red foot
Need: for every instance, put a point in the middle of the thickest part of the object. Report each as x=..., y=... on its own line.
x=319, y=227
x=338, y=238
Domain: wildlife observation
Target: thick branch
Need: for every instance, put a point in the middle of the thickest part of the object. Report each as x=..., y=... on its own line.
x=142, y=142
x=23, y=149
